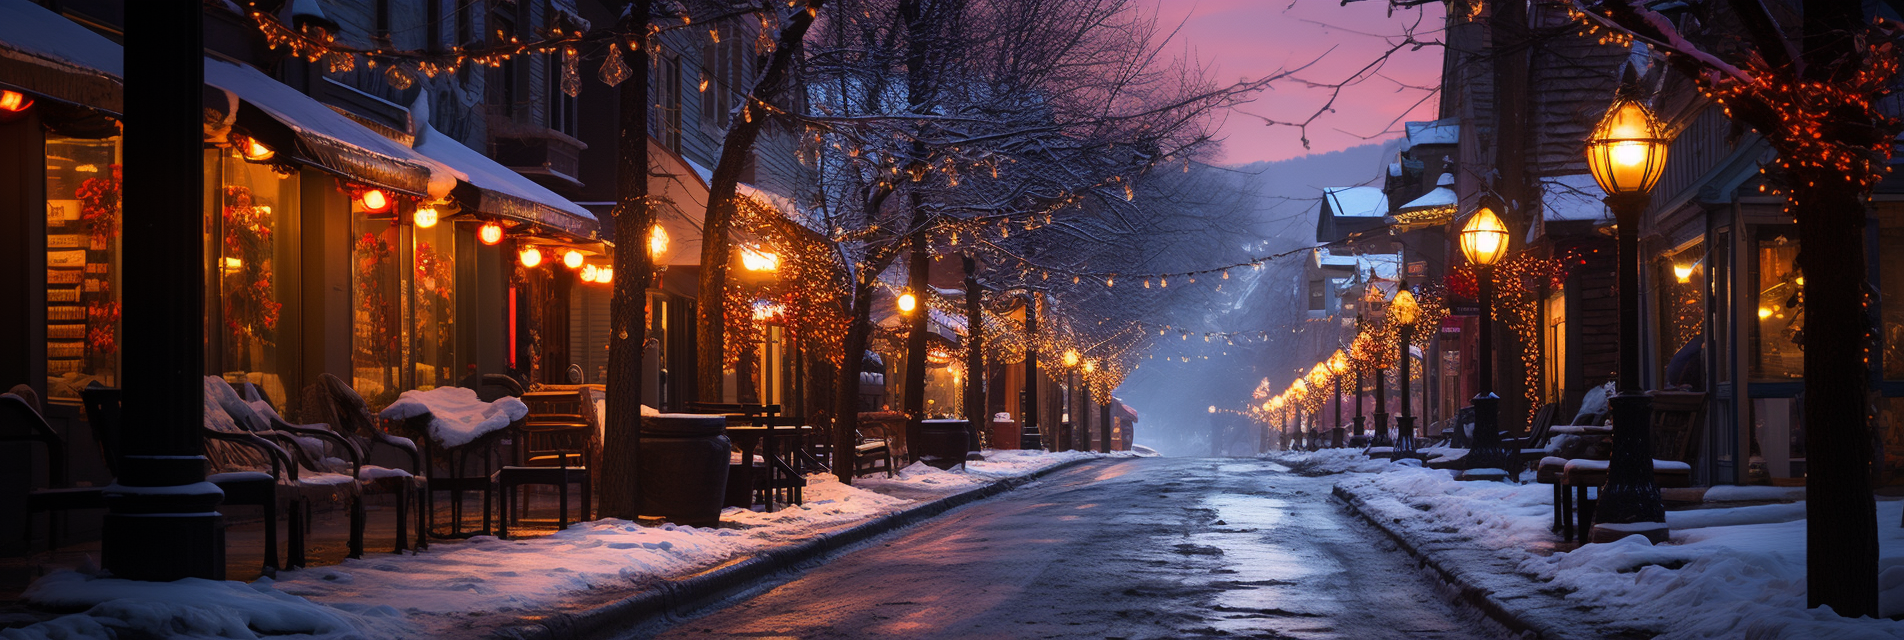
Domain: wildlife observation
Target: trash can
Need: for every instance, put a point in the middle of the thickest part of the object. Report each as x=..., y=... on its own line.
x=683, y=470
x=941, y=443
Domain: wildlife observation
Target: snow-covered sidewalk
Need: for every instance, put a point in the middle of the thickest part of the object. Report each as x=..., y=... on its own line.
x=472, y=587
x=1727, y=572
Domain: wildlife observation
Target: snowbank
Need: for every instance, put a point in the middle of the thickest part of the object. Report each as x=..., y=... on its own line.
x=464, y=588
x=1725, y=573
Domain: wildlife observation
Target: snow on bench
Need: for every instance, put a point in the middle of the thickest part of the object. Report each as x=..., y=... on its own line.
x=457, y=416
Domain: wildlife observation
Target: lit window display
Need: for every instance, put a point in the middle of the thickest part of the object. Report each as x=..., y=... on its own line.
x=1780, y=327
x=434, y=305
x=82, y=264
x=252, y=221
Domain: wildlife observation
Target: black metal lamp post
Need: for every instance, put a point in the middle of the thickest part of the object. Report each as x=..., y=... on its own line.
x=1627, y=154
x=1484, y=242
x=1404, y=311
x=1072, y=409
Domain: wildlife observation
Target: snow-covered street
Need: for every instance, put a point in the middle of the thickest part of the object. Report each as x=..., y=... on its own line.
x=459, y=589
x=1140, y=548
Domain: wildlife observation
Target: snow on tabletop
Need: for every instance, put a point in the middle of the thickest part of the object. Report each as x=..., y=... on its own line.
x=457, y=416
x=1725, y=573
x=456, y=588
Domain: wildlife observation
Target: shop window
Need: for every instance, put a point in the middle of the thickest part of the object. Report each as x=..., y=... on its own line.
x=1778, y=439
x=1555, y=337
x=1891, y=285
x=251, y=222
x=1776, y=352
x=376, y=286
x=82, y=264
x=434, y=304
x=1682, y=319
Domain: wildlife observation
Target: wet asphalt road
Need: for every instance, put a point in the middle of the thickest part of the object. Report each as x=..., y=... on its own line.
x=1133, y=548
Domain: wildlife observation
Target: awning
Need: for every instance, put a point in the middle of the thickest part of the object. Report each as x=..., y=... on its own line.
x=45, y=54
x=312, y=133
x=485, y=186
x=1126, y=412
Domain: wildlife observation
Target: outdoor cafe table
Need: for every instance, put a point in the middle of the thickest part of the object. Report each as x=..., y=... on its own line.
x=744, y=434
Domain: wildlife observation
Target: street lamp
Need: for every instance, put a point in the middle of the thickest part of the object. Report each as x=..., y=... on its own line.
x=1484, y=242
x=1298, y=396
x=1377, y=345
x=1338, y=365
x=1627, y=153
x=1404, y=311
x=1067, y=436
x=908, y=302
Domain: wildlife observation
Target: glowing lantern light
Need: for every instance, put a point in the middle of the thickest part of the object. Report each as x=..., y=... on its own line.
x=1070, y=358
x=1765, y=312
x=374, y=200
x=490, y=233
x=1090, y=366
x=754, y=260
x=531, y=256
x=657, y=242
x=1626, y=151
x=908, y=302
x=572, y=259
x=604, y=275
x=424, y=217
x=1484, y=239
x=256, y=151
x=1212, y=408
x=1404, y=309
x=1682, y=273
x=589, y=272
x=14, y=101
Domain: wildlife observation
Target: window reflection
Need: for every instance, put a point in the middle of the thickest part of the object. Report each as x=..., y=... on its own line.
x=1778, y=334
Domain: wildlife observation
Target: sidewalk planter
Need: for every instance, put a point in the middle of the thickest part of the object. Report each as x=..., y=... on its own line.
x=683, y=470
x=941, y=443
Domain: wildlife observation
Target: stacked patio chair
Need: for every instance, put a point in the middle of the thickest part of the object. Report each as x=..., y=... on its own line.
x=250, y=469
x=555, y=446
x=334, y=402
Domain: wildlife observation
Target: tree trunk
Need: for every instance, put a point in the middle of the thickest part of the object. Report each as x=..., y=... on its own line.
x=846, y=396
x=620, y=494
x=1841, y=532
x=916, y=271
x=743, y=130
x=974, y=352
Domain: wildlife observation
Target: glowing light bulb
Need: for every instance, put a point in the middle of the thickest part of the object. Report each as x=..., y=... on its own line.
x=14, y=101
x=589, y=272
x=374, y=200
x=424, y=217
x=657, y=242
x=490, y=233
x=1765, y=312
x=531, y=256
x=907, y=302
x=572, y=259
x=1683, y=273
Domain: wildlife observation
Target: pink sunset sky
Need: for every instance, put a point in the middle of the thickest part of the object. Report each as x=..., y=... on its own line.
x=1236, y=39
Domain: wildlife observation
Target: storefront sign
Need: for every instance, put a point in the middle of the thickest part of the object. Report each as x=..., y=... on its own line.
x=1418, y=269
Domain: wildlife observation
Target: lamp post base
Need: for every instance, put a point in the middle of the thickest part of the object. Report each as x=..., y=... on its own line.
x=1405, y=437
x=1486, y=452
x=1630, y=499
x=1361, y=433
x=1335, y=437
x=1379, y=432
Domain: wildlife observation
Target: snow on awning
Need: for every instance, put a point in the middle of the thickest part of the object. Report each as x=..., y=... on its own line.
x=488, y=187
x=314, y=134
x=1436, y=207
x=1126, y=412
x=45, y=54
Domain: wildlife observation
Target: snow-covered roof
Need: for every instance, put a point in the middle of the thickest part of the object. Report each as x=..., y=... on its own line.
x=777, y=201
x=85, y=67
x=1572, y=197
x=1379, y=266
x=329, y=139
x=1329, y=260
x=1356, y=202
x=1443, y=131
x=501, y=191
x=1442, y=196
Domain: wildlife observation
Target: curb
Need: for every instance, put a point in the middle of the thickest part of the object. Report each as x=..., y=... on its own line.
x=1522, y=621
x=682, y=595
